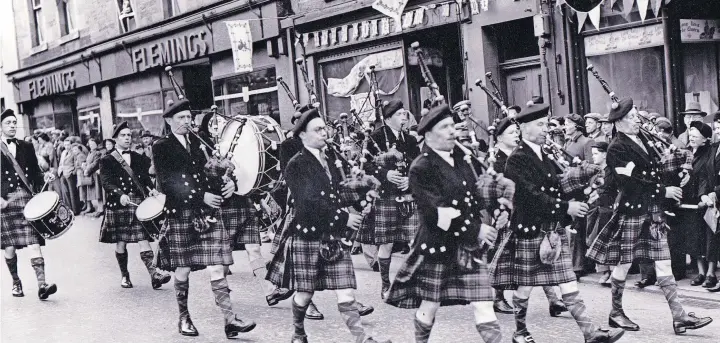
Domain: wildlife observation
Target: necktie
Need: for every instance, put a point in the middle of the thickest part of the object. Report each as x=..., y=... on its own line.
x=187, y=143
x=11, y=140
x=323, y=162
x=125, y=152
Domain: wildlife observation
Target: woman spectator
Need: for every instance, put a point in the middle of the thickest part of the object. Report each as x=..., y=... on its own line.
x=109, y=145
x=83, y=181
x=91, y=170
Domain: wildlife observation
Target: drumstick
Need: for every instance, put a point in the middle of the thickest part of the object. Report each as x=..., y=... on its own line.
x=132, y=203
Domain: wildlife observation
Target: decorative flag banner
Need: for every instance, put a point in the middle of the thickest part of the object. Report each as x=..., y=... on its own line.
x=419, y=16
x=333, y=36
x=344, y=33
x=241, y=42
x=656, y=7
x=643, y=8
x=583, y=5
x=594, y=15
x=407, y=20
x=446, y=9
x=484, y=5
x=385, y=26
x=474, y=7
x=374, y=28
x=324, y=38
x=391, y=8
x=581, y=17
x=365, y=29
x=317, y=35
x=627, y=7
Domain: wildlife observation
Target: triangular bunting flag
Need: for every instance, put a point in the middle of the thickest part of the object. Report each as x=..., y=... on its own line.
x=642, y=8
x=656, y=7
x=582, y=16
x=594, y=15
x=627, y=7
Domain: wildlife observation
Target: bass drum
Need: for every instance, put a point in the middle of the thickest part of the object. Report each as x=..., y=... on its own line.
x=48, y=215
x=256, y=156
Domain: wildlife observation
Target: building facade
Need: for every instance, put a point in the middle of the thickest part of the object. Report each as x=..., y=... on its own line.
x=8, y=60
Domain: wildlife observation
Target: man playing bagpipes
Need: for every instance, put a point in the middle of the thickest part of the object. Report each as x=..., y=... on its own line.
x=637, y=228
x=315, y=258
x=446, y=265
x=537, y=253
x=126, y=181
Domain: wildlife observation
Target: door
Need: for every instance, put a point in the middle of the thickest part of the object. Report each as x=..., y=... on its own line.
x=523, y=85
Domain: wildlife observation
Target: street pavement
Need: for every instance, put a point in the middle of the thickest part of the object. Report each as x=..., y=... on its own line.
x=90, y=306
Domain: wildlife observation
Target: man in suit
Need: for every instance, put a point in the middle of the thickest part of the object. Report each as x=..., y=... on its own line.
x=120, y=225
x=540, y=211
x=195, y=238
x=17, y=233
x=66, y=171
x=641, y=221
x=316, y=260
x=693, y=112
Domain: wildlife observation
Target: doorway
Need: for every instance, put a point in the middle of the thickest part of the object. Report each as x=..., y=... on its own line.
x=523, y=85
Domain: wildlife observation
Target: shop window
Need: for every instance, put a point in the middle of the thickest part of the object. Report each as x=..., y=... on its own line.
x=89, y=120
x=126, y=15
x=38, y=31
x=171, y=8
x=66, y=9
x=143, y=112
x=252, y=94
x=516, y=39
x=700, y=68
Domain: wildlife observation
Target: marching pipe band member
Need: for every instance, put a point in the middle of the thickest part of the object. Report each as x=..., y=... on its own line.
x=601, y=201
x=120, y=225
x=316, y=260
x=642, y=229
x=392, y=224
x=17, y=233
x=540, y=214
x=192, y=241
x=434, y=273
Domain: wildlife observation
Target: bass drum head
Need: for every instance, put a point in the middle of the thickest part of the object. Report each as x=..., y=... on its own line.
x=150, y=208
x=40, y=205
x=246, y=155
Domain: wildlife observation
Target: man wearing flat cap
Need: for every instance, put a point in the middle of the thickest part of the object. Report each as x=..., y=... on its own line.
x=394, y=222
x=693, y=112
x=195, y=239
x=641, y=223
x=540, y=211
x=315, y=259
x=450, y=226
x=21, y=178
x=592, y=126
x=606, y=128
x=125, y=179
x=575, y=141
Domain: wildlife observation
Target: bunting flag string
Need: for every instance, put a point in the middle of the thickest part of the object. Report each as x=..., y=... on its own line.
x=594, y=15
x=643, y=8
x=581, y=16
x=585, y=9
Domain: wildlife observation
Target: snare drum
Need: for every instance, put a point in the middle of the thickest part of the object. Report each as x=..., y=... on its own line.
x=150, y=214
x=256, y=156
x=50, y=217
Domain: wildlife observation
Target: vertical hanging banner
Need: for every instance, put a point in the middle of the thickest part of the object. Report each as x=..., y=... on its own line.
x=241, y=41
x=391, y=8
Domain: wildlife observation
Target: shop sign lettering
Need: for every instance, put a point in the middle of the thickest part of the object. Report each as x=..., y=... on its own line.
x=169, y=51
x=699, y=30
x=625, y=40
x=50, y=84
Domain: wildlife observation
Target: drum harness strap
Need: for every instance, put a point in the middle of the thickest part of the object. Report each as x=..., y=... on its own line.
x=128, y=170
x=18, y=169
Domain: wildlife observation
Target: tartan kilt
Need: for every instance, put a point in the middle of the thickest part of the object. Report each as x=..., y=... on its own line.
x=627, y=240
x=366, y=233
x=280, y=237
x=16, y=230
x=517, y=262
x=121, y=225
x=276, y=268
x=308, y=272
x=181, y=246
x=242, y=224
x=390, y=226
x=438, y=281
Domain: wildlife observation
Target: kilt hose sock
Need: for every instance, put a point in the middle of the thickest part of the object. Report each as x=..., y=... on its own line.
x=576, y=307
x=38, y=264
x=299, y=318
x=181, y=294
x=12, y=266
x=617, y=288
x=349, y=312
x=669, y=288
x=490, y=331
x=259, y=271
x=520, y=306
x=122, y=260
x=147, y=257
x=422, y=331
x=550, y=294
x=222, y=298
x=384, y=264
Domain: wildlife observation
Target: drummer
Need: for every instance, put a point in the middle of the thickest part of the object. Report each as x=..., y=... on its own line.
x=21, y=177
x=120, y=171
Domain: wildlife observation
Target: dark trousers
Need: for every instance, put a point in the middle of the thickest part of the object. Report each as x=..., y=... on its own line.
x=578, y=247
x=647, y=269
x=70, y=194
x=676, y=241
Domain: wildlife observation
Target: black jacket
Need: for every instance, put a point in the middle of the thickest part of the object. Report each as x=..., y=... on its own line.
x=288, y=149
x=408, y=147
x=116, y=181
x=435, y=183
x=538, y=197
x=26, y=158
x=702, y=177
x=318, y=205
x=180, y=175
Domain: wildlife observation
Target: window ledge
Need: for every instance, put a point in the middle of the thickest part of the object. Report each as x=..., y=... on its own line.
x=38, y=49
x=69, y=37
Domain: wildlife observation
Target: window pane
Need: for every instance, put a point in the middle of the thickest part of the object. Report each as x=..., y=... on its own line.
x=89, y=121
x=42, y=122
x=142, y=113
x=260, y=104
x=700, y=67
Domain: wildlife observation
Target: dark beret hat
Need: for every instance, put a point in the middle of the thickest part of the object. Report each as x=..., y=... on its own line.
x=177, y=107
x=7, y=113
x=716, y=116
x=704, y=129
x=601, y=146
x=503, y=125
x=532, y=113
x=433, y=117
x=620, y=109
x=299, y=113
x=118, y=128
x=516, y=108
x=577, y=119
x=391, y=107
x=302, y=122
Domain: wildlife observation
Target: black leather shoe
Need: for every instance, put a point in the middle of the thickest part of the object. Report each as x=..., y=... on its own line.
x=125, y=282
x=556, y=308
x=46, y=290
x=605, y=336
x=299, y=339
x=690, y=322
x=526, y=338
x=356, y=250
x=237, y=326
x=278, y=295
x=17, y=290
x=186, y=327
x=502, y=306
x=698, y=280
x=364, y=310
x=645, y=282
x=313, y=313
x=158, y=280
x=405, y=249
x=710, y=282
x=619, y=319
x=714, y=289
